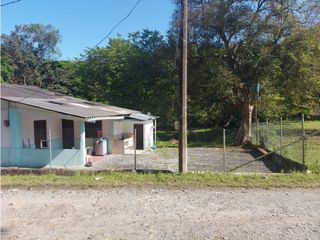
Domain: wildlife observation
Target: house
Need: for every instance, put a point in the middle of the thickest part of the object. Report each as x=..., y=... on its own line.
x=41, y=128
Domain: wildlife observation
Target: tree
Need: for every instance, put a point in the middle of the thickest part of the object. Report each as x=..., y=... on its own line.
x=60, y=76
x=26, y=48
x=6, y=69
x=300, y=78
x=247, y=34
x=137, y=73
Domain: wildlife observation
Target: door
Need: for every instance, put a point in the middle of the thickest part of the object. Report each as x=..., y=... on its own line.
x=67, y=134
x=40, y=133
x=139, y=135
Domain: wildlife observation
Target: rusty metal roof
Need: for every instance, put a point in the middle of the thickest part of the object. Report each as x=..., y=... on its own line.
x=44, y=99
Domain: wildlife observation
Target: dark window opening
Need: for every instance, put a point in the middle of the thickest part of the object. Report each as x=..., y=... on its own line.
x=40, y=133
x=138, y=129
x=93, y=130
x=67, y=134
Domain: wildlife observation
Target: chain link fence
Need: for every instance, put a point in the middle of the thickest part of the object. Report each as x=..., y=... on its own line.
x=276, y=146
x=296, y=140
x=209, y=150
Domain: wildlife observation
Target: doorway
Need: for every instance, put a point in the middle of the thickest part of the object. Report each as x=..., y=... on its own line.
x=139, y=136
x=40, y=133
x=67, y=134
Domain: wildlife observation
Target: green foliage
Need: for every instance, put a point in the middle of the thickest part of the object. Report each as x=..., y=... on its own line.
x=236, y=44
x=232, y=46
x=300, y=78
x=137, y=73
x=24, y=50
x=7, y=69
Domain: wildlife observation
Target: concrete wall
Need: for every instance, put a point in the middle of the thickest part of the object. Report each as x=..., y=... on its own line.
x=107, y=128
x=5, y=130
x=41, y=157
x=124, y=129
x=24, y=155
x=53, y=123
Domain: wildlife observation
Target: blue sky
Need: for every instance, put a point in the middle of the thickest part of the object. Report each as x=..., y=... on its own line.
x=83, y=23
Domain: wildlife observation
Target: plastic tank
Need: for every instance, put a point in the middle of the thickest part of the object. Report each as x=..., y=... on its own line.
x=101, y=147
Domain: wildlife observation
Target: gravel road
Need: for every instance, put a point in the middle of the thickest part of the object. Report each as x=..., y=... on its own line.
x=149, y=212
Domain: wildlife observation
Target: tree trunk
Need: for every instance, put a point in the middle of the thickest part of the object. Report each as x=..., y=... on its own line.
x=245, y=131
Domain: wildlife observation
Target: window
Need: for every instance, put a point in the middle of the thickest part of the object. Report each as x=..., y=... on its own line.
x=67, y=134
x=93, y=130
x=40, y=133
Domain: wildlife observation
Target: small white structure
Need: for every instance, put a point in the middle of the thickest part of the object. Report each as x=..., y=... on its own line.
x=28, y=113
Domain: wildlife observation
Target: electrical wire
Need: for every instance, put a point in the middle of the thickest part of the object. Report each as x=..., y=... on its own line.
x=134, y=6
x=5, y=4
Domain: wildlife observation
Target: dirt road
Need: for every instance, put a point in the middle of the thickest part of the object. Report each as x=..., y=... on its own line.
x=160, y=213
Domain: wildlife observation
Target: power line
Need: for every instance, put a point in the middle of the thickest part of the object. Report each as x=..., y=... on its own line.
x=2, y=5
x=134, y=6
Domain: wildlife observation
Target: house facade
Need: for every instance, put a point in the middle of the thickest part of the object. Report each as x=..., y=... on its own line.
x=41, y=128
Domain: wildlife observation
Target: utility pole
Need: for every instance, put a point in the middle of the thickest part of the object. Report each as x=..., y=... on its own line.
x=183, y=88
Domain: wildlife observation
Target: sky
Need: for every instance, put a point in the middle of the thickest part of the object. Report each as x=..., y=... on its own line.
x=83, y=23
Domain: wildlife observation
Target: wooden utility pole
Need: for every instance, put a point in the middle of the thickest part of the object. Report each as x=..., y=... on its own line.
x=183, y=88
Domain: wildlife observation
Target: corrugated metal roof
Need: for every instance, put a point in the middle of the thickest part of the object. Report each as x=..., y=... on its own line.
x=44, y=99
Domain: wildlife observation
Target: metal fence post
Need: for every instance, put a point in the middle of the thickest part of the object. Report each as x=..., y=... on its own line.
x=281, y=136
x=135, y=151
x=258, y=134
x=267, y=133
x=50, y=147
x=224, y=150
x=303, y=138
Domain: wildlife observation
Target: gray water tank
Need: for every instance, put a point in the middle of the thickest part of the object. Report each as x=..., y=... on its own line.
x=100, y=148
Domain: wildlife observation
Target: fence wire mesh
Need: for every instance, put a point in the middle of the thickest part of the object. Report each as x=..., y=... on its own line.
x=275, y=146
x=296, y=141
x=214, y=149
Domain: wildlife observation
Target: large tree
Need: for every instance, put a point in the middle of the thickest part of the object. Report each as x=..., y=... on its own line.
x=248, y=35
x=25, y=50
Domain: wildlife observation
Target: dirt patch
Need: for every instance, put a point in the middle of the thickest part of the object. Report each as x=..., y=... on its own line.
x=160, y=213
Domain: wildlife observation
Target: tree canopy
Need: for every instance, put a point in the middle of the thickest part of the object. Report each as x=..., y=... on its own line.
x=234, y=45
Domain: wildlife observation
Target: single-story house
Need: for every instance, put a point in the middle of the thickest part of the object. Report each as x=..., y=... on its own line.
x=41, y=128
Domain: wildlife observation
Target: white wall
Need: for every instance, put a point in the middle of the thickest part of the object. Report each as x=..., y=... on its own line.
x=107, y=128
x=28, y=129
x=76, y=127
x=126, y=127
x=53, y=123
x=148, y=133
x=5, y=130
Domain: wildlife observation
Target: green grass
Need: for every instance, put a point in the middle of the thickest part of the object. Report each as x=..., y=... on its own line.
x=208, y=137
x=85, y=179
x=308, y=125
x=292, y=132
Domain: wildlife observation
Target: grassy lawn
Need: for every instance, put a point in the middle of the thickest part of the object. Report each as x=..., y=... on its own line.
x=308, y=125
x=85, y=179
x=291, y=132
x=209, y=137
x=213, y=137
